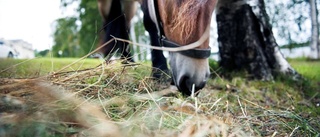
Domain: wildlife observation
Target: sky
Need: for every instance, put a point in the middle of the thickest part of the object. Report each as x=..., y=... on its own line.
x=30, y=20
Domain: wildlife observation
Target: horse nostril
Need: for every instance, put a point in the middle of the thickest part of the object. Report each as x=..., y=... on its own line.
x=201, y=85
x=186, y=85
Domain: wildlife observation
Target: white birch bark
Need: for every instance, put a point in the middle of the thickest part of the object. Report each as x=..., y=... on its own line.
x=314, y=54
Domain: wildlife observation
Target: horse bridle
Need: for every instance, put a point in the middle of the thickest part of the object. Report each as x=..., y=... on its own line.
x=164, y=42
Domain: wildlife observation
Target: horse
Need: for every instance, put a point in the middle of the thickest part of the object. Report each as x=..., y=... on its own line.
x=170, y=23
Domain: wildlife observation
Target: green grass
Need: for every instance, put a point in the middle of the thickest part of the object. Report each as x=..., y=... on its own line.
x=256, y=108
x=308, y=69
x=43, y=66
x=22, y=68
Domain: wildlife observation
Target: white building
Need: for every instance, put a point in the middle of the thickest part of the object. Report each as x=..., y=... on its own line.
x=24, y=49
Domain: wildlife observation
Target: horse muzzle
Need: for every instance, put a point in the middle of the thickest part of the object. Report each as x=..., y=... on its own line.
x=189, y=74
x=188, y=86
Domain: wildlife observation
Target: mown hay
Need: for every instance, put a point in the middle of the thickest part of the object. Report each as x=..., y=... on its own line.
x=117, y=99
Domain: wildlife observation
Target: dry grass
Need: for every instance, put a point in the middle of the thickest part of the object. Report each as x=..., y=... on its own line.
x=122, y=100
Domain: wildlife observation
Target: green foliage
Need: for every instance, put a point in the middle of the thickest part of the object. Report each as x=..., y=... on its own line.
x=213, y=64
x=91, y=23
x=42, y=53
x=295, y=45
x=290, y=19
x=76, y=36
x=66, y=38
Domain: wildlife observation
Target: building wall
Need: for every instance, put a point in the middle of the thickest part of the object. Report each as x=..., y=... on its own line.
x=24, y=49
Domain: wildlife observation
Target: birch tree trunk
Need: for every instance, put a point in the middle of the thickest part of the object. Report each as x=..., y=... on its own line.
x=246, y=40
x=315, y=33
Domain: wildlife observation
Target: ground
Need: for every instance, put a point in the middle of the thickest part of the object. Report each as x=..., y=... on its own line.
x=74, y=97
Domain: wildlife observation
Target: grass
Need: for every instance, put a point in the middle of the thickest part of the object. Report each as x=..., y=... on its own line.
x=136, y=105
x=309, y=69
x=21, y=68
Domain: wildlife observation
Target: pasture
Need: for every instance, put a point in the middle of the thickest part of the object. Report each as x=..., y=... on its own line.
x=71, y=97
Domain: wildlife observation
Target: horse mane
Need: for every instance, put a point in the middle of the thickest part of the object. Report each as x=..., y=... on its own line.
x=186, y=17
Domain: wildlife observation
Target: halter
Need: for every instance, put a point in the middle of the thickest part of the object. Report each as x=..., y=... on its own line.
x=164, y=42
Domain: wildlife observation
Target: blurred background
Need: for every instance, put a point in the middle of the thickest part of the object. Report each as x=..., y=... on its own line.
x=69, y=28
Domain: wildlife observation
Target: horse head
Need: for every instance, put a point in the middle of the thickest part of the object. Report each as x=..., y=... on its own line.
x=185, y=22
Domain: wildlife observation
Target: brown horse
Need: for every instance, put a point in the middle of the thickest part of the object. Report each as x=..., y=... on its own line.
x=170, y=23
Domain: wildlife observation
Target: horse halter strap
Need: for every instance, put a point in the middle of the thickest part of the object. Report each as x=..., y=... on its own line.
x=164, y=42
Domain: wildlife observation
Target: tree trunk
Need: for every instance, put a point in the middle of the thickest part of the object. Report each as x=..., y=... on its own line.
x=246, y=40
x=315, y=33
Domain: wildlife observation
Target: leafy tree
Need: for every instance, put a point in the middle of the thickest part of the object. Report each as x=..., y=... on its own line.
x=91, y=24
x=66, y=38
x=76, y=36
x=291, y=21
x=42, y=53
